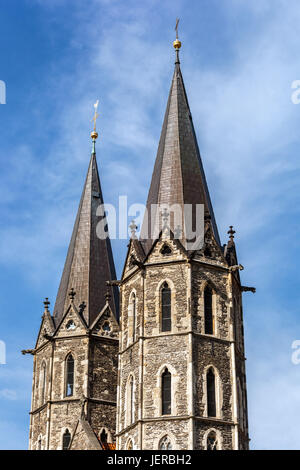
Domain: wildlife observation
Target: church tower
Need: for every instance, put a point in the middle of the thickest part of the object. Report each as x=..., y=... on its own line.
x=75, y=357
x=181, y=378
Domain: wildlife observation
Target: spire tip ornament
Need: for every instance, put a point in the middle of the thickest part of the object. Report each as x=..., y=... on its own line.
x=46, y=304
x=177, y=43
x=231, y=233
x=94, y=133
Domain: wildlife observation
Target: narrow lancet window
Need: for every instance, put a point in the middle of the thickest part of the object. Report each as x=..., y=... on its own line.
x=166, y=392
x=165, y=444
x=70, y=376
x=208, y=313
x=103, y=436
x=166, y=307
x=211, y=393
x=66, y=439
x=212, y=443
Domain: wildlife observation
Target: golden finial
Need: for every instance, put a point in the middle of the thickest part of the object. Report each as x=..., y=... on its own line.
x=177, y=43
x=94, y=134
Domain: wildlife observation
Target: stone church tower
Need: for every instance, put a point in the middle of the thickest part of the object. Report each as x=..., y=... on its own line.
x=171, y=373
x=76, y=354
x=182, y=382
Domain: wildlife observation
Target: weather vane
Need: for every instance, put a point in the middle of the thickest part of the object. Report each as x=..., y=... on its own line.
x=95, y=114
x=176, y=27
x=94, y=134
x=177, y=43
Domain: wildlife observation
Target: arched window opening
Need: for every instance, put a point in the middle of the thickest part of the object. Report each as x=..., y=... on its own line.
x=166, y=392
x=103, y=436
x=211, y=393
x=166, y=307
x=43, y=382
x=39, y=447
x=66, y=439
x=212, y=443
x=70, y=376
x=133, y=306
x=129, y=445
x=208, y=313
x=165, y=443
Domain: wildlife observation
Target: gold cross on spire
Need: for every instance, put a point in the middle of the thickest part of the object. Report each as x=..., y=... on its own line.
x=94, y=134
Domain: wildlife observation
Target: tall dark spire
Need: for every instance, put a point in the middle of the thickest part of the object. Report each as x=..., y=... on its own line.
x=178, y=175
x=89, y=263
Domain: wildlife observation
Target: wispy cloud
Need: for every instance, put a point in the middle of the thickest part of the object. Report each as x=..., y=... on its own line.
x=8, y=394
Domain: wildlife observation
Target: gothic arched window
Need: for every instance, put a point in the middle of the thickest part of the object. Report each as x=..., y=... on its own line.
x=211, y=442
x=69, y=376
x=129, y=445
x=166, y=307
x=43, y=382
x=166, y=392
x=66, y=439
x=165, y=443
x=211, y=393
x=208, y=312
x=103, y=436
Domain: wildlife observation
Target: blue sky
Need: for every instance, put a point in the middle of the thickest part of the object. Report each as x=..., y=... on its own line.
x=239, y=59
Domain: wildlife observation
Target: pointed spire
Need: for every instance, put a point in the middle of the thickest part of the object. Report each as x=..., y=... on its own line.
x=89, y=263
x=178, y=175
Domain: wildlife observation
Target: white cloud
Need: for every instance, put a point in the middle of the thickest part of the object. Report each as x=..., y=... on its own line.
x=8, y=394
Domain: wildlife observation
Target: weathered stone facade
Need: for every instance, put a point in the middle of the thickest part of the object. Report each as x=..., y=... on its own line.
x=170, y=373
x=186, y=351
x=95, y=353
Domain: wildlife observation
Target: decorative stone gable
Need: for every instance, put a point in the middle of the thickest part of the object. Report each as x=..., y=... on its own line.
x=47, y=329
x=72, y=323
x=211, y=251
x=106, y=325
x=135, y=257
x=166, y=249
